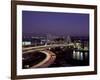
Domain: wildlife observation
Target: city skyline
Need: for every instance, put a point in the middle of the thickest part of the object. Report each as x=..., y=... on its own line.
x=74, y=24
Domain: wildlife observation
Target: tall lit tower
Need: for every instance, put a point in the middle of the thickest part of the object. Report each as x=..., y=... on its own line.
x=68, y=40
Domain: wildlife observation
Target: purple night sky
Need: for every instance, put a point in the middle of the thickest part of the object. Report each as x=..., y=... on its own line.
x=73, y=24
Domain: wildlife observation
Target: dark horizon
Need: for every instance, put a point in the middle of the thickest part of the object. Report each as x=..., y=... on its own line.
x=73, y=24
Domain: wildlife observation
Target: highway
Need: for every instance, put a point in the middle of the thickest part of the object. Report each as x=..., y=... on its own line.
x=39, y=48
x=50, y=58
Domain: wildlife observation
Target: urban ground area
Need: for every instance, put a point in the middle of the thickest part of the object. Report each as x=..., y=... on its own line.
x=55, y=51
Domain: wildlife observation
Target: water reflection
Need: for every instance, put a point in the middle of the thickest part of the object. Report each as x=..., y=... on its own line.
x=80, y=55
x=74, y=54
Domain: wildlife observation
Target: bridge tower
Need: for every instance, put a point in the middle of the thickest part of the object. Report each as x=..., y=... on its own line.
x=68, y=40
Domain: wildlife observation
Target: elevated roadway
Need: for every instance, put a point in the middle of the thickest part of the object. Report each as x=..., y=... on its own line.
x=50, y=58
x=44, y=47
